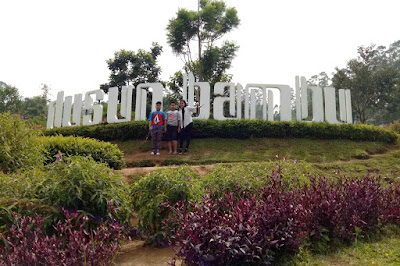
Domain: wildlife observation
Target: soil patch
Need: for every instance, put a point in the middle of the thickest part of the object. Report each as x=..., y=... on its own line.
x=136, y=253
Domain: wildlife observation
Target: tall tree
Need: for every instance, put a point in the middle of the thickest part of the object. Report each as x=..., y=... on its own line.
x=10, y=100
x=193, y=36
x=130, y=68
x=322, y=80
x=35, y=108
x=372, y=82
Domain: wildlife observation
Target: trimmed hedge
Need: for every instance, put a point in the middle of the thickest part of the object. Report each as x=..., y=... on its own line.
x=100, y=151
x=240, y=129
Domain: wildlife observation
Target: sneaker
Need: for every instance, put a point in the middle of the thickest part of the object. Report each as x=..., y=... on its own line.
x=153, y=152
x=158, y=152
x=180, y=151
x=186, y=151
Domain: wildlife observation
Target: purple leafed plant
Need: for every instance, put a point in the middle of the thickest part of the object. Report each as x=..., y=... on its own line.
x=260, y=228
x=247, y=230
x=71, y=244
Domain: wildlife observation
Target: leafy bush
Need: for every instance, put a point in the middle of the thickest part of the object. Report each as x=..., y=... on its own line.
x=74, y=183
x=240, y=129
x=27, y=244
x=339, y=207
x=229, y=231
x=152, y=191
x=19, y=145
x=263, y=225
x=252, y=177
x=395, y=126
x=120, y=131
x=80, y=183
x=100, y=151
x=361, y=154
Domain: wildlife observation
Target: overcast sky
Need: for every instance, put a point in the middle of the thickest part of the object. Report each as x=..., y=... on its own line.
x=65, y=44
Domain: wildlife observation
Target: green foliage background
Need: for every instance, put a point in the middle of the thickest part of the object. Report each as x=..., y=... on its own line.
x=240, y=129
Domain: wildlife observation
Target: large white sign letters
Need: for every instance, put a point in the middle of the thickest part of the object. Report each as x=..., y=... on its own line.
x=242, y=101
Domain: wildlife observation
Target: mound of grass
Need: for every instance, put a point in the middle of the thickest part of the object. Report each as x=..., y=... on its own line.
x=217, y=150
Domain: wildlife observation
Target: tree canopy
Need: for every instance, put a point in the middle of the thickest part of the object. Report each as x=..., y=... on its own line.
x=198, y=31
x=374, y=81
x=10, y=100
x=132, y=68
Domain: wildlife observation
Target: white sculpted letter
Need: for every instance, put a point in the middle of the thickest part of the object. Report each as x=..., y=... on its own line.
x=302, y=101
x=239, y=100
x=330, y=105
x=317, y=104
x=219, y=101
x=204, y=98
x=66, y=122
x=349, y=111
x=77, y=112
x=59, y=109
x=90, y=107
x=141, y=99
x=126, y=104
x=50, y=114
x=285, y=108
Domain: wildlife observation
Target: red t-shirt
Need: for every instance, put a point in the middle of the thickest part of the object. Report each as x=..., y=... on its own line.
x=157, y=119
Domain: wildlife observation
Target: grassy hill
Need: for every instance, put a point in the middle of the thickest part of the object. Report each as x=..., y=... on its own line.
x=348, y=157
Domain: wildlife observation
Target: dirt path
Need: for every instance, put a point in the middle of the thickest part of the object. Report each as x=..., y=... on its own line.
x=202, y=170
x=135, y=253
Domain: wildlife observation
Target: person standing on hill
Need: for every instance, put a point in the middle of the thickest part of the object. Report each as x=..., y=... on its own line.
x=173, y=128
x=156, y=126
x=186, y=125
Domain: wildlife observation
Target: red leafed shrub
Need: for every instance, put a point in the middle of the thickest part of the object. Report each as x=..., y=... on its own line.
x=339, y=207
x=390, y=212
x=72, y=244
x=260, y=228
x=230, y=231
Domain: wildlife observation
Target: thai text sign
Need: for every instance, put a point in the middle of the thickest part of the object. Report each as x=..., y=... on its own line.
x=64, y=112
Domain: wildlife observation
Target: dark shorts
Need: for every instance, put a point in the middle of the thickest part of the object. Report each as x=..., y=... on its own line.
x=172, y=133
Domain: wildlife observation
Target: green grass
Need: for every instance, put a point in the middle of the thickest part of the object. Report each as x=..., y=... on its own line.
x=386, y=165
x=381, y=249
x=205, y=151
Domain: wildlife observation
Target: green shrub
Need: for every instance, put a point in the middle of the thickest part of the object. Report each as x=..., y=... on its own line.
x=74, y=183
x=100, y=151
x=152, y=191
x=252, y=177
x=361, y=154
x=80, y=183
x=27, y=207
x=77, y=183
x=20, y=148
x=240, y=129
x=18, y=195
x=106, y=132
